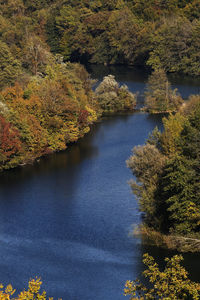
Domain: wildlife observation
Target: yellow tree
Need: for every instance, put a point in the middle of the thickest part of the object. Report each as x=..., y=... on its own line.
x=172, y=283
x=32, y=293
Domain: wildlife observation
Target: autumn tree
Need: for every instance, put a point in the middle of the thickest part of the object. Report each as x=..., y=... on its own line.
x=33, y=292
x=126, y=34
x=171, y=283
x=10, y=144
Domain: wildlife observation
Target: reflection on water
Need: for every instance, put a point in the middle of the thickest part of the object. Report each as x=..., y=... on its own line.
x=69, y=158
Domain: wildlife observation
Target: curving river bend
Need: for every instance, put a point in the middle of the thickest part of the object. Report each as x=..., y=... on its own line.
x=68, y=217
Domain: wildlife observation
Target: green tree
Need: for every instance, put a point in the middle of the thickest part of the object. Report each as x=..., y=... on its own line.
x=180, y=184
x=126, y=35
x=180, y=191
x=159, y=97
x=168, y=174
x=175, y=46
x=147, y=164
x=9, y=67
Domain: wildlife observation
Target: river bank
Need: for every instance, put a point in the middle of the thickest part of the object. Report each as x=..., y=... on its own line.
x=171, y=242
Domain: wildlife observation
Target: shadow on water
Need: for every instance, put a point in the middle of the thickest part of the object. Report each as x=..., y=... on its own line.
x=68, y=159
x=122, y=73
x=155, y=120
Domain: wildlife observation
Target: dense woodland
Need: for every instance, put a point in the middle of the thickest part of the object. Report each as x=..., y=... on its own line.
x=42, y=94
x=156, y=33
x=47, y=102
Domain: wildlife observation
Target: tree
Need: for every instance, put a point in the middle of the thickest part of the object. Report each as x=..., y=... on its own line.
x=170, y=138
x=112, y=98
x=175, y=46
x=10, y=144
x=126, y=35
x=32, y=293
x=168, y=174
x=171, y=283
x=147, y=164
x=159, y=97
x=179, y=189
x=180, y=184
x=9, y=66
x=36, y=53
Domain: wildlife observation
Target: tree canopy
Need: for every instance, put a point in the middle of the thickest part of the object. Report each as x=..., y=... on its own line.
x=161, y=35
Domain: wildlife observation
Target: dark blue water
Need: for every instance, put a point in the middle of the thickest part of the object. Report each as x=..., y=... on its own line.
x=68, y=217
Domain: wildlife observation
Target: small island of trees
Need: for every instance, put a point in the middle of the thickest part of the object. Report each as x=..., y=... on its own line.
x=159, y=96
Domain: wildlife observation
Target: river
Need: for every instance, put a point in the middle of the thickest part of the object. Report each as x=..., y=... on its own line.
x=68, y=217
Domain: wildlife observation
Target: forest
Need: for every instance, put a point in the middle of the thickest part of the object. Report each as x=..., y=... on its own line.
x=46, y=102
x=155, y=34
x=44, y=95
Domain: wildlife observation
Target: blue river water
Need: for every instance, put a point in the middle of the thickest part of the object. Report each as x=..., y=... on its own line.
x=68, y=217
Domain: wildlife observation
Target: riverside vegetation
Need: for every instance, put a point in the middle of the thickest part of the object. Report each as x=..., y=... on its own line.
x=159, y=96
x=47, y=102
x=168, y=179
x=168, y=189
x=42, y=113
x=46, y=113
